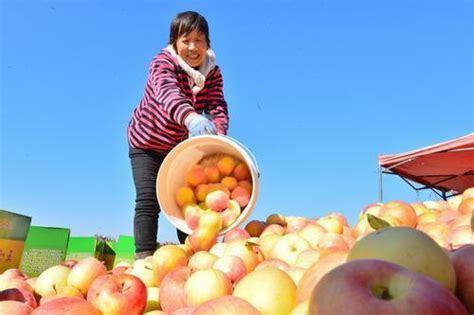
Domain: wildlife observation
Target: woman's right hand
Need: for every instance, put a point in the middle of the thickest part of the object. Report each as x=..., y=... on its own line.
x=199, y=125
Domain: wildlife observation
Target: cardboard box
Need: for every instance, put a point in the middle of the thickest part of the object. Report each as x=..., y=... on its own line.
x=13, y=232
x=44, y=248
x=80, y=247
x=124, y=249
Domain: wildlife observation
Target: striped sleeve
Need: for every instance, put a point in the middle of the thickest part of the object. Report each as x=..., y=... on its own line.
x=164, y=81
x=216, y=105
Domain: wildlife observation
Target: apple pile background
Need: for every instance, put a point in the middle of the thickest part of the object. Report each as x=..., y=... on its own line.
x=399, y=258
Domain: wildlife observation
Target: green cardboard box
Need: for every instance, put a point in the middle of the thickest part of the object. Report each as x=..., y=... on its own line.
x=13, y=232
x=124, y=249
x=44, y=248
x=80, y=247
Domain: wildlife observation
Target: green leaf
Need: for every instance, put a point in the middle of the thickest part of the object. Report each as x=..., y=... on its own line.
x=250, y=243
x=377, y=223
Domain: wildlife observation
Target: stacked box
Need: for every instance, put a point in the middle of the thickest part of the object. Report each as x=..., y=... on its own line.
x=13, y=232
x=80, y=247
x=44, y=247
x=124, y=249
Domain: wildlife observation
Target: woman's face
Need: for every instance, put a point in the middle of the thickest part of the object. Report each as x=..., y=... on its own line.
x=192, y=48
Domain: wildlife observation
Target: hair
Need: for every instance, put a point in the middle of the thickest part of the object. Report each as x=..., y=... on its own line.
x=186, y=22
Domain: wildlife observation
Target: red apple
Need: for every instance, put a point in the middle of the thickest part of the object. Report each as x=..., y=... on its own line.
x=143, y=269
x=466, y=206
x=152, y=299
x=438, y=231
x=244, y=251
x=373, y=286
x=217, y=200
x=229, y=305
x=14, y=307
x=18, y=283
x=118, y=270
x=273, y=229
x=184, y=311
x=203, y=238
x=192, y=213
x=230, y=214
x=210, y=219
x=70, y=263
x=464, y=219
x=296, y=273
x=165, y=259
x=289, y=247
x=454, y=202
x=13, y=273
x=312, y=232
x=66, y=305
x=459, y=237
x=85, y=272
x=172, y=294
x=333, y=224
x=19, y=295
x=241, y=195
x=67, y=291
x=269, y=290
x=119, y=294
x=202, y=260
x=236, y=234
x=431, y=204
x=205, y=285
x=295, y=224
x=448, y=216
x=266, y=244
x=218, y=249
x=232, y=266
x=373, y=208
x=52, y=279
x=463, y=262
x=331, y=241
x=307, y=258
x=314, y=274
x=400, y=210
x=274, y=262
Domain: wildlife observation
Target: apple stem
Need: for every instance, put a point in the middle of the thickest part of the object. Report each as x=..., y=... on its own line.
x=124, y=287
x=382, y=293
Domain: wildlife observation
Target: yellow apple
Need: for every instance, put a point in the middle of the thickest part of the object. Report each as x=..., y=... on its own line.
x=409, y=248
x=270, y=290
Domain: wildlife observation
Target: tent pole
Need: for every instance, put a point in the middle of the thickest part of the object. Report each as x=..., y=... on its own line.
x=380, y=185
x=444, y=196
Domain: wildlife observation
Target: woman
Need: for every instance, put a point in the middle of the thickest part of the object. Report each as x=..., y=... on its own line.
x=183, y=98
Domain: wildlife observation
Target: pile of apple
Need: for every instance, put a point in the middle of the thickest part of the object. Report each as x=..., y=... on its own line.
x=399, y=258
x=217, y=189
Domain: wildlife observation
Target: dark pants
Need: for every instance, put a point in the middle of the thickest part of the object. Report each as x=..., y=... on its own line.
x=145, y=166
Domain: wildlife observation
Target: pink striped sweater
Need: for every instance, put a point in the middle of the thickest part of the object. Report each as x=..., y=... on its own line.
x=158, y=121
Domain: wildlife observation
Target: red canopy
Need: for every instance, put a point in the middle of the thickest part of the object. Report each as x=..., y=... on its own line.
x=447, y=166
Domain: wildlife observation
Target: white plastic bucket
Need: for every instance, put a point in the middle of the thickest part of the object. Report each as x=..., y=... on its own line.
x=172, y=174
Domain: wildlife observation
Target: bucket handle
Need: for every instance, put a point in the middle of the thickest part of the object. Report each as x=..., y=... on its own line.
x=252, y=156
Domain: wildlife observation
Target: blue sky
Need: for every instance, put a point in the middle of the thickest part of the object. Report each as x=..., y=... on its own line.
x=316, y=90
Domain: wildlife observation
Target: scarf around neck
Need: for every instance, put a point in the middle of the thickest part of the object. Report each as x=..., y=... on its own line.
x=197, y=78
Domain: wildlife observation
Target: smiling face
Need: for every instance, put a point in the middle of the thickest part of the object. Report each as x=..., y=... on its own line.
x=192, y=48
